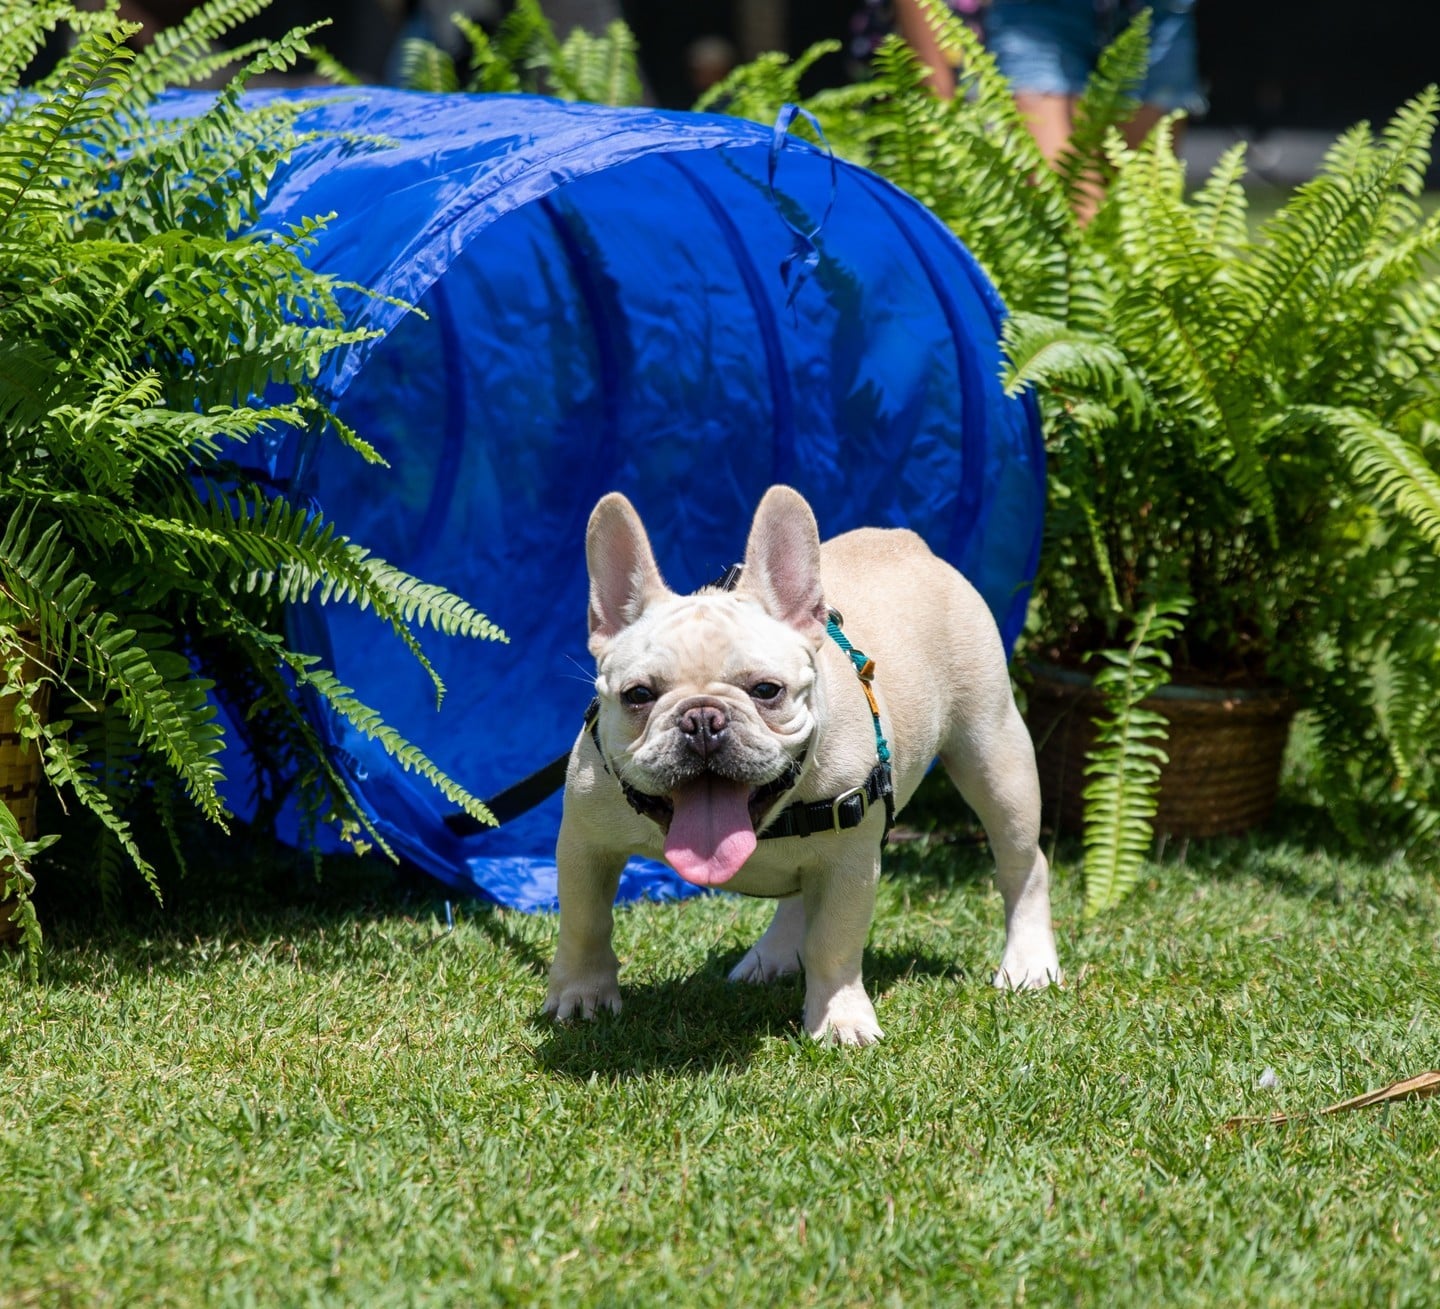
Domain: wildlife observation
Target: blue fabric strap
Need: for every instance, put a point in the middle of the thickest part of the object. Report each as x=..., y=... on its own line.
x=804, y=256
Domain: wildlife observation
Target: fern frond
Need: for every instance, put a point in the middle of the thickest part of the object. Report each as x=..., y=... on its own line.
x=987, y=92
x=93, y=647
x=1408, y=703
x=418, y=602
x=601, y=69
x=1221, y=205
x=28, y=382
x=328, y=67
x=526, y=42
x=757, y=89
x=66, y=768
x=17, y=885
x=139, y=339
x=181, y=54
x=1047, y=354
x=1346, y=739
x=41, y=145
x=1179, y=315
x=906, y=135
x=963, y=49
x=267, y=547
x=21, y=37
x=1109, y=99
x=308, y=674
x=1408, y=136
x=289, y=748
x=1124, y=766
x=426, y=67
x=1096, y=537
x=1329, y=223
x=300, y=555
x=110, y=749
x=1412, y=343
x=1024, y=234
x=1120, y=802
x=1387, y=467
x=1185, y=374
x=490, y=71
x=371, y=725
x=279, y=55
x=182, y=179
x=314, y=415
x=163, y=798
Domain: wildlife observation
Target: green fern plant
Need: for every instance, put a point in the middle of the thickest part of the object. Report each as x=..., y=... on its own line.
x=1249, y=420
x=144, y=329
x=757, y=89
x=524, y=55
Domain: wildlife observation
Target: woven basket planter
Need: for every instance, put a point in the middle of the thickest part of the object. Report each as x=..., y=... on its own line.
x=1226, y=747
x=20, y=779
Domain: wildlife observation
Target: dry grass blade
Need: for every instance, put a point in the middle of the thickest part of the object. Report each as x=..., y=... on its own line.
x=1419, y=1087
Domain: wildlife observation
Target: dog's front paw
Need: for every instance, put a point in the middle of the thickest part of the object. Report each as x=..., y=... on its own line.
x=1028, y=972
x=1029, y=962
x=582, y=997
x=845, y=1017
x=760, y=966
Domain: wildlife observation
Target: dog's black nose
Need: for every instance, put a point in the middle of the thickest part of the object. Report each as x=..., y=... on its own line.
x=704, y=727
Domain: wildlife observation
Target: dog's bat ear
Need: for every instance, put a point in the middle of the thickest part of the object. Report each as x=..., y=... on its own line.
x=782, y=561
x=623, y=575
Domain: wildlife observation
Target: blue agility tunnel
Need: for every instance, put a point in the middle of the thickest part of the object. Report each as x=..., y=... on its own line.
x=619, y=299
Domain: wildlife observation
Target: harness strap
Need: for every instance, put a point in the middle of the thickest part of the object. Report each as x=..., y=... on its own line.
x=847, y=810
x=865, y=671
x=515, y=800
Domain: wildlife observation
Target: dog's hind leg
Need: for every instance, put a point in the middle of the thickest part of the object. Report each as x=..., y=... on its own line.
x=777, y=952
x=995, y=773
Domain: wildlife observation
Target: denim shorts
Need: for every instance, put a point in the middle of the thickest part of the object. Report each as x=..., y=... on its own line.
x=1050, y=46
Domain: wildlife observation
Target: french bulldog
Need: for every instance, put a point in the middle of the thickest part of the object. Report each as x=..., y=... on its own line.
x=720, y=714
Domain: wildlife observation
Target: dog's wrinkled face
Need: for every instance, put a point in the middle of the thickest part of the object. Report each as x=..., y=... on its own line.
x=706, y=700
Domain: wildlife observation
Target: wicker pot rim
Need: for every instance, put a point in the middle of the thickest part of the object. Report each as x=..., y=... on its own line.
x=1258, y=693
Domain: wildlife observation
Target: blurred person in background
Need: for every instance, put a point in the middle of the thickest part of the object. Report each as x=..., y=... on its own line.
x=1047, y=50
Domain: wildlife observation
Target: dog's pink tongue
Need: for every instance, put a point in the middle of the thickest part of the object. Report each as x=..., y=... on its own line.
x=710, y=834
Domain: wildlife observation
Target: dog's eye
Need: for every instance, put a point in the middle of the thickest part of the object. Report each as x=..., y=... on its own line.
x=767, y=690
x=637, y=696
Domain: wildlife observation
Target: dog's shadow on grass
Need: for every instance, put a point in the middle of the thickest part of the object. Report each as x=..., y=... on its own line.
x=702, y=1022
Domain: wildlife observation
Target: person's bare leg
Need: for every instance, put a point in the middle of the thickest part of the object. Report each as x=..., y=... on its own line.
x=915, y=28
x=1048, y=117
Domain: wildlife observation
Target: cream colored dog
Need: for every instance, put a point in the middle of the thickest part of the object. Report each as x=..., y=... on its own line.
x=725, y=716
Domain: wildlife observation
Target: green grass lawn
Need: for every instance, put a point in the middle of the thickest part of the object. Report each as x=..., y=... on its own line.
x=346, y=1104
